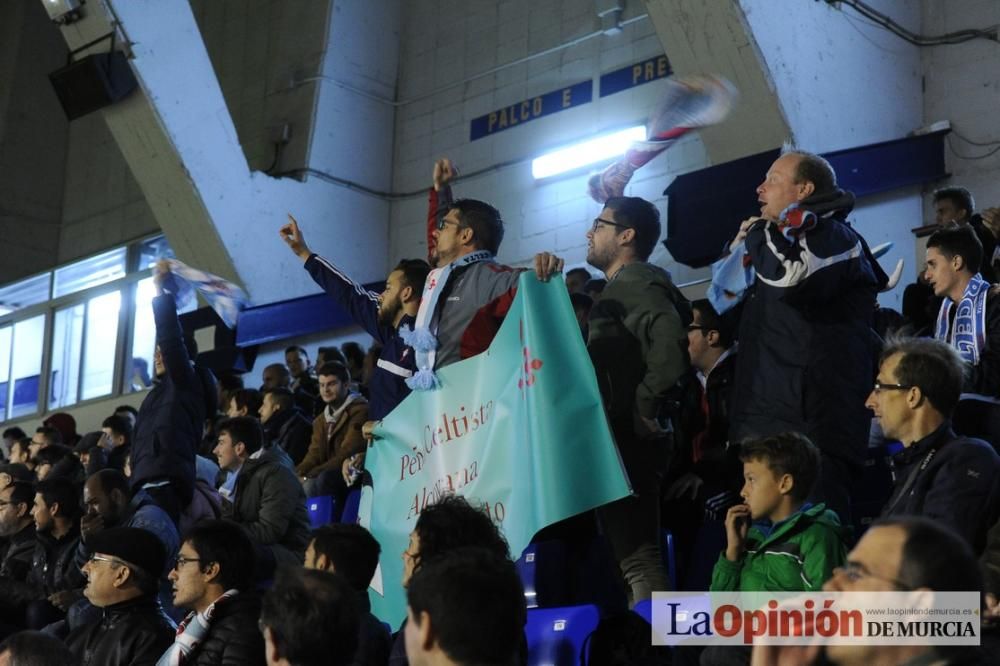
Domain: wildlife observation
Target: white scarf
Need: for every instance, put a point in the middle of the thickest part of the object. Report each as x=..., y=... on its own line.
x=191, y=632
x=424, y=340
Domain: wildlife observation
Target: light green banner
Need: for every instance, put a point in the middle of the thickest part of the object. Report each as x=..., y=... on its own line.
x=519, y=430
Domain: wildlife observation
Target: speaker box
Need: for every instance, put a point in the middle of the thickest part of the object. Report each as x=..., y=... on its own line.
x=93, y=82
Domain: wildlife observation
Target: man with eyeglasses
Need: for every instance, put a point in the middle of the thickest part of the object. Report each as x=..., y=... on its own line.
x=636, y=329
x=806, y=341
x=122, y=576
x=469, y=293
x=894, y=555
x=938, y=474
x=705, y=474
x=212, y=577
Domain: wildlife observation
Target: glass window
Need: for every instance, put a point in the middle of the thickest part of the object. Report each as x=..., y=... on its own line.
x=152, y=250
x=5, y=334
x=139, y=368
x=24, y=293
x=99, y=347
x=26, y=366
x=67, y=342
x=89, y=272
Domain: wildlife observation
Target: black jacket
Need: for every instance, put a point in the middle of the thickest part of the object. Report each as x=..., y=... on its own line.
x=374, y=639
x=18, y=553
x=291, y=430
x=806, y=360
x=953, y=479
x=233, y=638
x=271, y=506
x=717, y=464
x=14, y=569
x=132, y=633
x=989, y=243
x=171, y=418
x=53, y=564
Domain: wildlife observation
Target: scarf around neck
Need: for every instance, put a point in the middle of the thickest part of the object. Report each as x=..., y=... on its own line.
x=191, y=632
x=423, y=337
x=967, y=335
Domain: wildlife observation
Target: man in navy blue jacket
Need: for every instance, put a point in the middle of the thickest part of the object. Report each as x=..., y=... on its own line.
x=940, y=475
x=171, y=418
x=381, y=315
x=806, y=340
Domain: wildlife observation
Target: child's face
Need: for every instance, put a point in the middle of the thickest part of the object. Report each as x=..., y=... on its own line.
x=761, y=489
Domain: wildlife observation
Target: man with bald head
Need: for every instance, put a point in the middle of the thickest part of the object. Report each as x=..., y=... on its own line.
x=274, y=376
x=806, y=344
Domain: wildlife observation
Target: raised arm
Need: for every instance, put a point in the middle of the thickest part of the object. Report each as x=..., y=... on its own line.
x=361, y=304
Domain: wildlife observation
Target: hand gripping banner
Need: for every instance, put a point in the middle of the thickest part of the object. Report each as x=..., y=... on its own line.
x=518, y=430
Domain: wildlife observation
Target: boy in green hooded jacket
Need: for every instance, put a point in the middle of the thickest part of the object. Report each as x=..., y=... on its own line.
x=791, y=545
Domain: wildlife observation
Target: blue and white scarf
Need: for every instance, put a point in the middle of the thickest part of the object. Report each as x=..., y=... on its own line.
x=968, y=333
x=423, y=336
x=191, y=632
x=223, y=296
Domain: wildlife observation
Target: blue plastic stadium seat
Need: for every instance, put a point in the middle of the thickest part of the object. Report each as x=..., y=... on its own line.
x=320, y=510
x=351, y=506
x=527, y=570
x=542, y=568
x=669, y=558
x=556, y=636
x=644, y=609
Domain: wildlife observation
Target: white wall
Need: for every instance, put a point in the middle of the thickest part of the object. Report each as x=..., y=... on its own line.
x=440, y=47
x=963, y=86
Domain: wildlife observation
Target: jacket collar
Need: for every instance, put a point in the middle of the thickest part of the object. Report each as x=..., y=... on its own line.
x=773, y=531
x=936, y=439
x=141, y=603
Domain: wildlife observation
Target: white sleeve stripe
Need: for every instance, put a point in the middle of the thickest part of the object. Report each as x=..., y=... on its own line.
x=389, y=366
x=807, y=264
x=361, y=291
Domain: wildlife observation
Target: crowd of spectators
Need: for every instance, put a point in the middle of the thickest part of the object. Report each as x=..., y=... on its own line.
x=177, y=533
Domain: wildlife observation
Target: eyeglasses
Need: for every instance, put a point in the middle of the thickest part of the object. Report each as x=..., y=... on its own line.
x=855, y=571
x=697, y=327
x=4, y=503
x=879, y=387
x=111, y=560
x=442, y=223
x=181, y=561
x=599, y=221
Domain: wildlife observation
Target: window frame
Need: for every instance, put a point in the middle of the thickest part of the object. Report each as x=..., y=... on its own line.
x=125, y=285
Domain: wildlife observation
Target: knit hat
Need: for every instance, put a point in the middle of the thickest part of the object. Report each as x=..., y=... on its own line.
x=133, y=545
x=18, y=472
x=65, y=424
x=88, y=441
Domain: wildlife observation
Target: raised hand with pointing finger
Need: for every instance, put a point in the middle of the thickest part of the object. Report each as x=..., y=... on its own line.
x=292, y=235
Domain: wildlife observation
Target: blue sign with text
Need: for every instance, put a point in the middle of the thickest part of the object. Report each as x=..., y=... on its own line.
x=531, y=109
x=635, y=75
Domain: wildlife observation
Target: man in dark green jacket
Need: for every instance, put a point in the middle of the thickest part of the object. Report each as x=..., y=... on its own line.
x=636, y=328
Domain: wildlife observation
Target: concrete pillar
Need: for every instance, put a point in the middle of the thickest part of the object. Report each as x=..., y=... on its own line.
x=179, y=138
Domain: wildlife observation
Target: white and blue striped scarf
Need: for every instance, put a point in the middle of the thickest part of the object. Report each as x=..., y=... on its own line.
x=968, y=333
x=422, y=338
